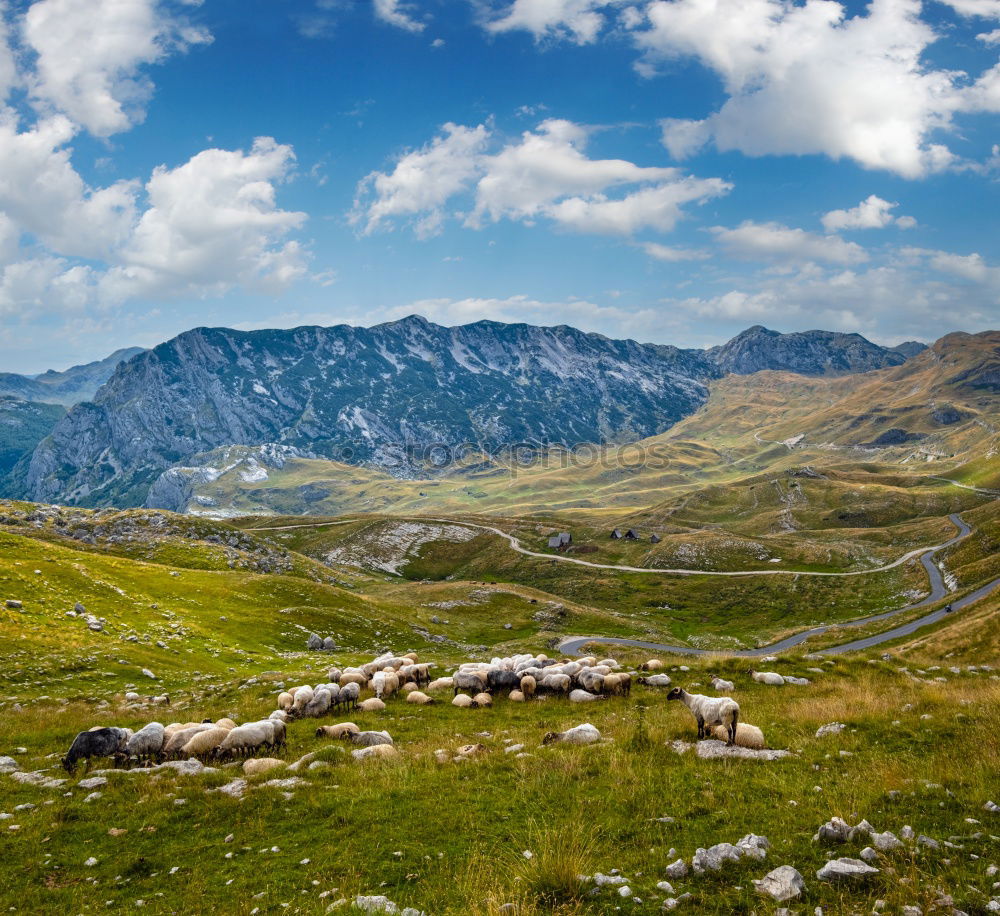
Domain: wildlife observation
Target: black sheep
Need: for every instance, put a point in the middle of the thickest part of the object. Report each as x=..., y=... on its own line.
x=102, y=742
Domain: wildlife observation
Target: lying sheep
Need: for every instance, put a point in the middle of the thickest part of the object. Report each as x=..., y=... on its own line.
x=482, y=700
x=441, y=683
x=655, y=680
x=654, y=664
x=580, y=734
x=710, y=711
x=582, y=696
x=367, y=739
x=258, y=765
x=771, y=678
x=746, y=736
x=419, y=698
x=101, y=742
x=372, y=704
x=515, y=696
x=147, y=743
x=719, y=684
x=462, y=700
x=337, y=731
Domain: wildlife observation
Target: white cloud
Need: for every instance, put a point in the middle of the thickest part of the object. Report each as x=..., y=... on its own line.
x=89, y=55
x=422, y=181
x=871, y=213
x=579, y=313
x=395, y=12
x=41, y=192
x=579, y=21
x=774, y=242
x=808, y=78
x=545, y=174
x=673, y=255
x=984, y=9
x=211, y=223
x=990, y=38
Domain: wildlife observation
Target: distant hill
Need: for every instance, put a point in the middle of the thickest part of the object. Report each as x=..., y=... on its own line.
x=398, y=396
x=79, y=383
x=23, y=424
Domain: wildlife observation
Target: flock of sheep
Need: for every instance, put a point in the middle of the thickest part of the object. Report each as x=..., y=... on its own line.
x=473, y=684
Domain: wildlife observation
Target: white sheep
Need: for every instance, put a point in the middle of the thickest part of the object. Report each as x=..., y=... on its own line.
x=709, y=711
x=656, y=680
x=746, y=736
x=147, y=743
x=582, y=696
x=579, y=734
x=338, y=730
x=719, y=684
x=771, y=678
x=302, y=696
x=441, y=683
x=205, y=743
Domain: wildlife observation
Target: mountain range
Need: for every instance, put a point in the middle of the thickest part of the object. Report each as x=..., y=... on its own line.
x=68, y=387
x=396, y=397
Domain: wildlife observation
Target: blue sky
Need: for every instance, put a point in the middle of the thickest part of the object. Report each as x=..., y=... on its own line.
x=668, y=170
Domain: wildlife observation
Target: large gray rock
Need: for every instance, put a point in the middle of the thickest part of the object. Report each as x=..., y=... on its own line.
x=846, y=871
x=711, y=749
x=8, y=765
x=314, y=643
x=784, y=883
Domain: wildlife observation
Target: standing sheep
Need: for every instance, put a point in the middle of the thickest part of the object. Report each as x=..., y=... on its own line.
x=101, y=742
x=147, y=743
x=710, y=711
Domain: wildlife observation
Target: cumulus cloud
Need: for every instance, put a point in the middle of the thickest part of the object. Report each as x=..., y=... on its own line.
x=544, y=174
x=422, y=181
x=774, y=242
x=89, y=55
x=673, y=255
x=211, y=223
x=871, y=213
x=580, y=21
x=397, y=13
x=984, y=9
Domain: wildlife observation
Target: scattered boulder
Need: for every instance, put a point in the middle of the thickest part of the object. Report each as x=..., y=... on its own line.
x=13, y=604
x=8, y=765
x=831, y=728
x=784, y=883
x=712, y=749
x=846, y=870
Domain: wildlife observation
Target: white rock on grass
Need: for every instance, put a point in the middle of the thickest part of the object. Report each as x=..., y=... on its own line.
x=94, y=782
x=831, y=728
x=846, y=870
x=784, y=883
x=37, y=778
x=675, y=870
x=233, y=789
x=712, y=749
x=8, y=765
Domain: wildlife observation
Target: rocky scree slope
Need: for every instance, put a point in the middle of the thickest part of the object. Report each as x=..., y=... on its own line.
x=385, y=396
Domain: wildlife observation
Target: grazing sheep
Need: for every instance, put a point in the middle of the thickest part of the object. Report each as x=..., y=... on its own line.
x=333, y=675
x=591, y=680
x=709, y=711
x=528, y=685
x=302, y=695
x=500, y=680
x=225, y=722
x=580, y=734
x=385, y=684
x=257, y=765
x=178, y=739
x=368, y=739
x=348, y=696
x=655, y=680
x=516, y=696
x=280, y=715
x=462, y=700
x=338, y=730
x=246, y=739
x=420, y=699
x=619, y=685
x=746, y=736
x=771, y=678
x=147, y=743
x=205, y=743
x=319, y=705
x=285, y=701
x=468, y=680
x=441, y=683
x=101, y=742
x=482, y=700
x=581, y=696
x=353, y=677
x=556, y=683
x=372, y=704
x=719, y=684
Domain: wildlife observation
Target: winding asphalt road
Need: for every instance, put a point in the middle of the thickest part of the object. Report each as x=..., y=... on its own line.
x=574, y=645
